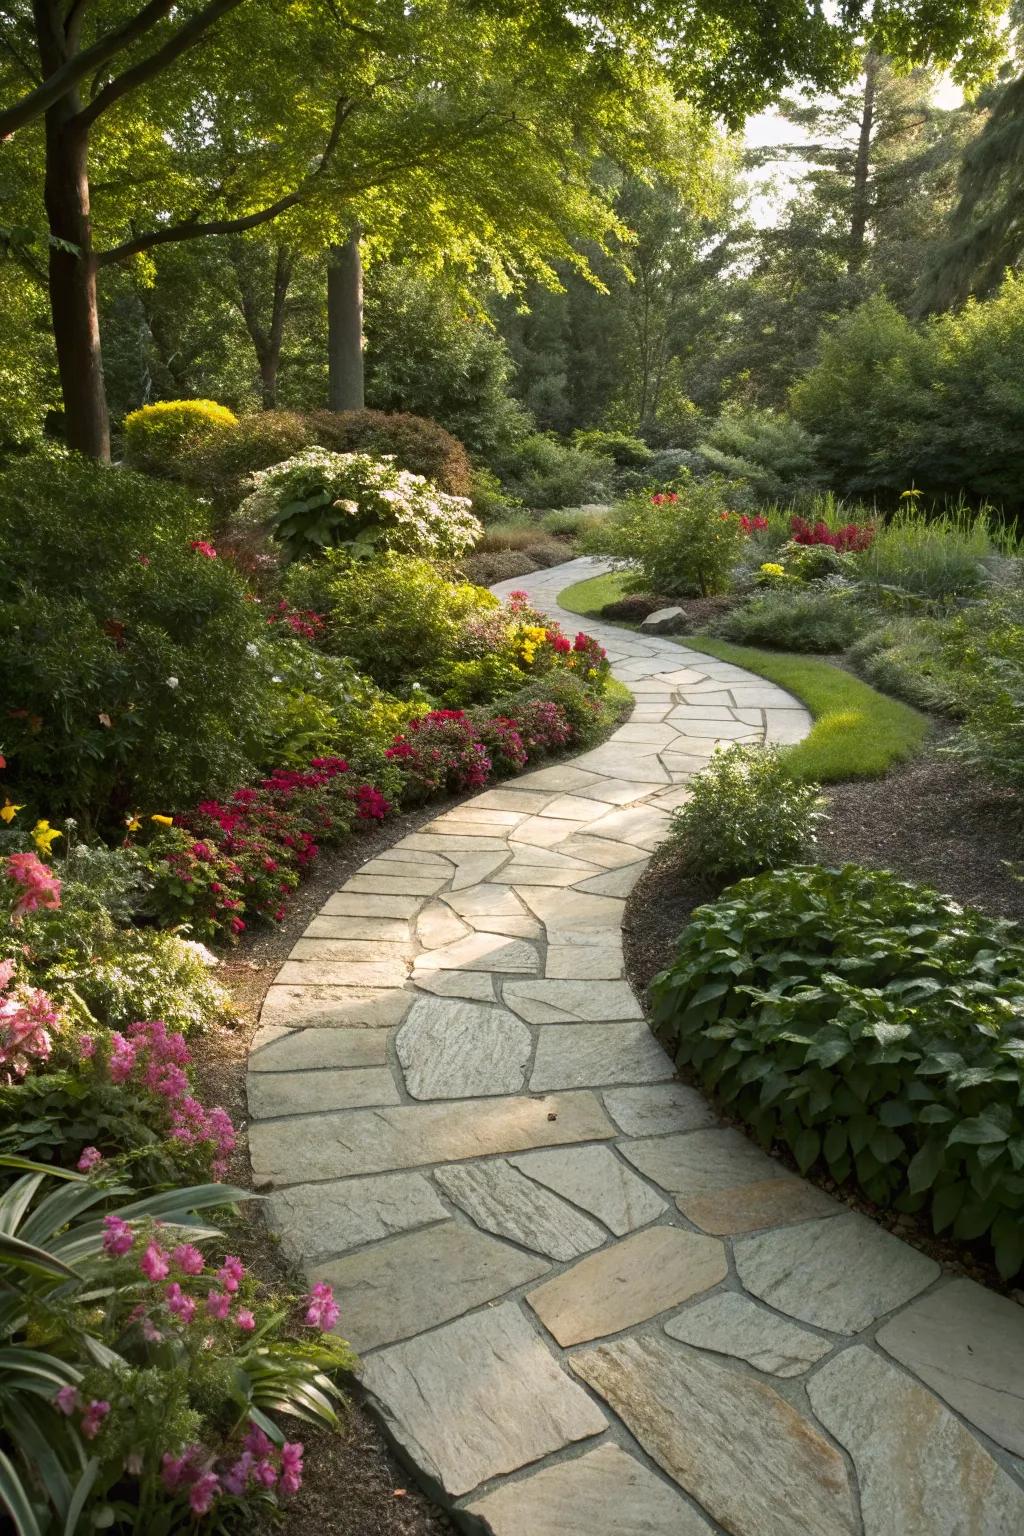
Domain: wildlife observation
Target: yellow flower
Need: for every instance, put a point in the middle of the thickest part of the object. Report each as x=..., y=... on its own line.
x=9, y=811
x=132, y=822
x=771, y=568
x=163, y=821
x=43, y=835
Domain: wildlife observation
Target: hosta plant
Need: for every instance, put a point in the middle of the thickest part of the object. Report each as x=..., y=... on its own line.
x=875, y=1028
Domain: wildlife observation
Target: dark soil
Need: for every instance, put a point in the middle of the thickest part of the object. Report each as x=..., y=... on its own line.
x=697, y=612
x=926, y=820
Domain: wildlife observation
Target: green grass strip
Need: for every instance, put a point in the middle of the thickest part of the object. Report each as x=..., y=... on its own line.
x=858, y=733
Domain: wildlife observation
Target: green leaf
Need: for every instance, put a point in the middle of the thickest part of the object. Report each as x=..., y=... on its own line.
x=1008, y=1242
x=806, y=1147
x=925, y=1166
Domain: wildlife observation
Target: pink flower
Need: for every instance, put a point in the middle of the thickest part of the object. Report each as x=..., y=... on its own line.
x=188, y=1259
x=201, y=547
x=237, y=1479
x=245, y=1320
x=90, y=1158
x=177, y=1472
x=266, y=1473
x=118, y=1237
x=122, y=1058
x=218, y=1304
x=323, y=1311
x=203, y=1492
x=291, y=1467
x=256, y=1442
x=86, y=1047
x=39, y=887
x=179, y=1303
x=231, y=1273
x=92, y=1418
x=67, y=1400
x=150, y=1332
x=154, y=1263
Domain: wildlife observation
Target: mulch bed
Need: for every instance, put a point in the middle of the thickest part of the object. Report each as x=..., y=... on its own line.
x=926, y=820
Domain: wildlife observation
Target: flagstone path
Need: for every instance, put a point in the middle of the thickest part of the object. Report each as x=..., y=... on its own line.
x=583, y=1306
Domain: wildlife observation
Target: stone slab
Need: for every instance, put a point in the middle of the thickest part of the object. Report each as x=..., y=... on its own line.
x=504, y=1201
x=659, y=1109
x=551, y=1001
x=424, y=884
x=359, y=904
x=392, y=928
x=323, y=1220
x=921, y=1472
x=341, y=973
x=359, y=1141
x=628, y=1283
x=576, y=962
x=574, y=917
x=483, y=952
x=272, y=1094
x=477, y=986
x=413, y=1282
x=731, y=1324
x=701, y=1162
x=437, y=924
x=967, y=1344
x=333, y=1007
x=752, y=1460
x=591, y=1055
x=486, y=900
x=774, y=1202
x=597, y=1181
x=840, y=1273
x=275, y=1049
x=604, y=1492
x=471, y=868
x=617, y=882
x=451, y=1049
x=478, y=1398
x=559, y=779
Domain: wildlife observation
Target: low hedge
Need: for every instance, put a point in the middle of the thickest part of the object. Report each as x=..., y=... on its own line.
x=873, y=1027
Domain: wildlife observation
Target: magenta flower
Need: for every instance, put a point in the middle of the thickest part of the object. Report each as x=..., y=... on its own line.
x=291, y=1467
x=92, y=1418
x=218, y=1304
x=188, y=1259
x=237, y=1479
x=118, y=1237
x=68, y=1400
x=90, y=1158
x=86, y=1047
x=177, y=1472
x=181, y=1305
x=154, y=1263
x=323, y=1311
x=231, y=1273
x=256, y=1442
x=245, y=1320
x=203, y=1492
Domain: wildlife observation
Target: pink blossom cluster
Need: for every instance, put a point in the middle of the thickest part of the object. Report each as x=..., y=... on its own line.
x=39, y=888
x=155, y=1058
x=69, y=1401
x=260, y=1465
x=26, y=1018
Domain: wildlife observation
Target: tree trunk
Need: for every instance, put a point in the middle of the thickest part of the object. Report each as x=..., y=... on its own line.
x=268, y=339
x=72, y=276
x=861, y=199
x=345, y=390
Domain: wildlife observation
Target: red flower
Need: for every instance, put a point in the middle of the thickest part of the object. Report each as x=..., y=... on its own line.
x=201, y=547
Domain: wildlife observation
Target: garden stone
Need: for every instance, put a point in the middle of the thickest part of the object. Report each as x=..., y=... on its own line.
x=615, y=791
x=658, y=1109
x=341, y=972
x=482, y=951
x=967, y=1344
x=477, y=1398
x=576, y=962
x=617, y=882
x=841, y=1273
x=323, y=1220
x=485, y=900
x=474, y=985
x=392, y=928
x=702, y=1161
x=560, y=779
x=459, y=1050
x=355, y=904
x=437, y=924
x=550, y=1001
x=732, y=1324
x=273, y=1094
x=663, y=621
x=334, y=1007
x=604, y=1492
x=412, y=1282
x=628, y=1283
x=542, y=832
x=471, y=868
x=752, y=1460
x=274, y=1049
x=363, y=1141
x=573, y=917
x=449, y=844
x=516, y=873
x=425, y=884
x=920, y=1472
x=573, y=808
x=597, y=1181
x=591, y=1055
x=604, y=851
x=775, y=1202
x=504, y=1201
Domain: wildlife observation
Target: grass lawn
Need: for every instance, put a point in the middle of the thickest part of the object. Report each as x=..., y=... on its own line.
x=858, y=733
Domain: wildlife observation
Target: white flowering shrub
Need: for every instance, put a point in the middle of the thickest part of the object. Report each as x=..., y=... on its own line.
x=319, y=500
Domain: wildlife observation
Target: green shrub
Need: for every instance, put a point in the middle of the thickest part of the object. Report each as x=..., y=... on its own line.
x=491, y=503
x=937, y=557
x=772, y=453
x=522, y=533
x=542, y=472
x=581, y=704
x=906, y=657
x=872, y=1026
x=221, y=465
x=126, y=646
x=626, y=451
x=815, y=562
x=986, y=647
x=158, y=437
x=396, y=616
x=416, y=443
x=746, y=812
x=320, y=500
x=795, y=619
x=682, y=542
x=572, y=522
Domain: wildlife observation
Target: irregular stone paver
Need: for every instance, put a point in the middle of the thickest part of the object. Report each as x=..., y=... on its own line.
x=920, y=1472
x=376, y=1141
x=510, y=906
x=477, y=1398
x=273, y=1094
x=968, y=1345
x=459, y=1050
x=731, y=1324
x=628, y=1283
x=747, y=1456
x=323, y=1220
x=497, y=1196
x=400, y=1287
x=841, y=1273
x=604, y=1491
x=597, y=1181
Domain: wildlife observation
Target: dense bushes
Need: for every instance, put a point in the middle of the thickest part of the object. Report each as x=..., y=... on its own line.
x=746, y=812
x=542, y=472
x=773, y=454
x=158, y=437
x=683, y=542
x=813, y=619
x=873, y=1027
x=126, y=646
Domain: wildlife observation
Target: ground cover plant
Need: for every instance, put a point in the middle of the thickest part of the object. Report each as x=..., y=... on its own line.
x=871, y=1026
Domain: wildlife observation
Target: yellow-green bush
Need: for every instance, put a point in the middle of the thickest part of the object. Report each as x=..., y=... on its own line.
x=156, y=437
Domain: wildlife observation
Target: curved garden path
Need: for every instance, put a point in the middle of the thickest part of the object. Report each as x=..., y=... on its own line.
x=583, y=1306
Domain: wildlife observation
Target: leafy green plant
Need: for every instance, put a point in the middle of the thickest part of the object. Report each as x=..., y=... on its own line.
x=771, y=452
x=746, y=812
x=621, y=447
x=682, y=541
x=157, y=437
x=907, y=657
x=795, y=619
x=872, y=1026
x=937, y=557
x=540, y=471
